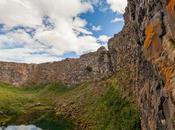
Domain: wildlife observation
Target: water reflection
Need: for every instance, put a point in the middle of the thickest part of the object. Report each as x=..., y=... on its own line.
x=21, y=127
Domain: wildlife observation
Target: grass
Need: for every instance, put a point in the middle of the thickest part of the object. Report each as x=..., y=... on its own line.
x=90, y=106
x=117, y=113
x=28, y=106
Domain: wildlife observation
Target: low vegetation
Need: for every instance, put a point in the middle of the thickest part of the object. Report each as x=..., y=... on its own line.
x=91, y=106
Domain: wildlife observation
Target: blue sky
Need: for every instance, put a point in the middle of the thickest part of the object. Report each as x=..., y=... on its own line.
x=51, y=30
x=103, y=19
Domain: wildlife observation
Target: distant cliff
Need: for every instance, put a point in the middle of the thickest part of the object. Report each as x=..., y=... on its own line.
x=89, y=67
x=141, y=57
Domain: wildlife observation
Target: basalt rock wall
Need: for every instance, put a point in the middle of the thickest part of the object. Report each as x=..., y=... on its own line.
x=89, y=67
x=143, y=57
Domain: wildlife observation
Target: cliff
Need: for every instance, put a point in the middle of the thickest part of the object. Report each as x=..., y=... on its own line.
x=141, y=57
x=89, y=67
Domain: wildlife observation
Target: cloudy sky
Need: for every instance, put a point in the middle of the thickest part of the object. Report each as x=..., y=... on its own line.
x=36, y=31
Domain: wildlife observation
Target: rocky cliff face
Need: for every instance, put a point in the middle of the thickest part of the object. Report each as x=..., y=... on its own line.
x=89, y=67
x=141, y=56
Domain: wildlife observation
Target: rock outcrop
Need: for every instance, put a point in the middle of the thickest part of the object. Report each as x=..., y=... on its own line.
x=141, y=56
x=89, y=67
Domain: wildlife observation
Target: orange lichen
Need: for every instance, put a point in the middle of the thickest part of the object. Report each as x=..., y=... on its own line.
x=171, y=7
x=171, y=16
x=155, y=41
x=152, y=44
x=168, y=73
x=149, y=32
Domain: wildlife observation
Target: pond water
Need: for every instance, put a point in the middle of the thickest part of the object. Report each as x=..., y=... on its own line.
x=46, y=123
x=21, y=127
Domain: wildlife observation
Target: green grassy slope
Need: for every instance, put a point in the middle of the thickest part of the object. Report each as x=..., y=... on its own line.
x=90, y=106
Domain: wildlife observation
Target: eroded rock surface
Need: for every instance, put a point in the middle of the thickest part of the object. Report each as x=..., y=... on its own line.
x=143, y=56
x=89, y=67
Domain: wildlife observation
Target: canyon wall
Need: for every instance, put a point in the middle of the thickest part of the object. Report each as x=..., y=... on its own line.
x=143, y=57
x=89, y=67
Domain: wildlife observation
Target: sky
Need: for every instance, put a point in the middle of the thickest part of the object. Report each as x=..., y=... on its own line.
x=37, y=31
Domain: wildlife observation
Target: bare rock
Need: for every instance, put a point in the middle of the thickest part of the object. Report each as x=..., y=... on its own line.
x=89, y=67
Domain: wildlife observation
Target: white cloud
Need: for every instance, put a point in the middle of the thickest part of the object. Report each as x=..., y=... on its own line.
x=30, y=12
x=100, y=4
x=103, y=38
x=117, y=5
x=96, y=28
x=117, y=20
x=21, y=55
x=68, y=35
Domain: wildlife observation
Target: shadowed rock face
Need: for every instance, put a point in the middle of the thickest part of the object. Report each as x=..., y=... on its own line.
x=89, y=67
x=141, y=56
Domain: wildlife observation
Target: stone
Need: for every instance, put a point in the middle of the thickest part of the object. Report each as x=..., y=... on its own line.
x=93, y=66
x=143, y=60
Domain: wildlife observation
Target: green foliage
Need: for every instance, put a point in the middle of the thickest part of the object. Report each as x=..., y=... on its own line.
x=57, y=87
x=100, y=106
x=115, y=112
x=50, y=122
x=31, y=106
